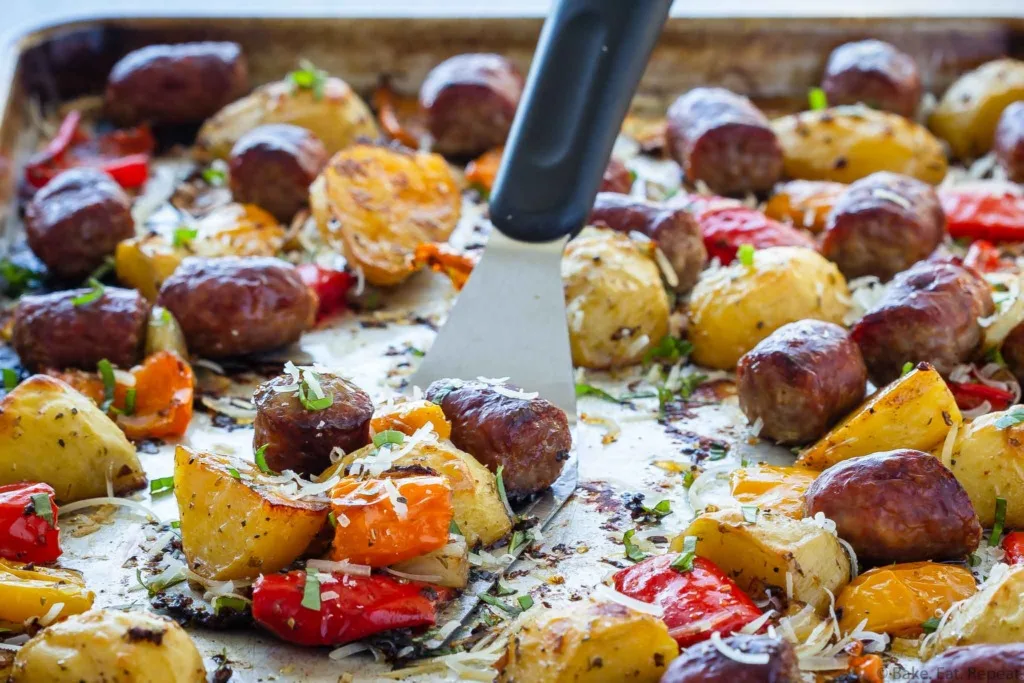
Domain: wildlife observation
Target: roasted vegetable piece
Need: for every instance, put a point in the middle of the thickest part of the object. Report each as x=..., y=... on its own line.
x=874, y=73
x=28, y=523
x=772, y=659
x=988, y=460
x=992, y=615
x=409, y=416
x=992, y=214
x=697, y=600
x=804, y=203
x=110, y=645
x=442, y=258
x=732, y=309
x=238, y=527
x=1009, y=141
x=330, y=286
x=845, y=144
x=382, y=521
x=377, y=204
x=564, y=645
x=1013, y=546
x=983, y=662
x=614, y=299
x=727, y=228
x=967, y=115
x=53, y=434
x=358, y=606
x=915, y=411
x=772, y=488
x=447, y=566
x=29, y=592
x=329, y=109
x=897, y=506
x=760, y=554
x=163, y=334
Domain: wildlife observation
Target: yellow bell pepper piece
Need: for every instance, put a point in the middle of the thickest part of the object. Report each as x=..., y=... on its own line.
x=772, y=488
x=27, y=593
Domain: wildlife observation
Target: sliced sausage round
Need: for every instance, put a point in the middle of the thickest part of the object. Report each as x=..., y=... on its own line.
x=800, y=380
x=874, y=73
x=722, y=139
x=883, y=224
x=528, y=436
x=71, y=329
x=1009, y=141
x=673, y=229
x=705, y=663
x=616, y=178
x=928, y=313
x=75, y=222
x=301, y=439
x=234, y=306
x=469, y=101
x=1002, y=662
x=183, y=83
x=273, y=166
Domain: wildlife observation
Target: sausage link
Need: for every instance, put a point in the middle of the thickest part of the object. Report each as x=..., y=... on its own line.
x=1009, y=141
x=705, y=663
x=874, y=73
x=273, y=166
x=998, y=662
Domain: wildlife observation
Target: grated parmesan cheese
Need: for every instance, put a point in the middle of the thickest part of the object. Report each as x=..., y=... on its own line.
x=606, y=593
x=737, y=655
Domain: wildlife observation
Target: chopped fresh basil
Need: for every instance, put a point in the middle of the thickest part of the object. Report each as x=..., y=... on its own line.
x=750, y=513
x=633, y=551
x=10, y=378
x=688, y=478
x=1010, y=419
x=234, y=603
x=176, y=524
x=669, y=349
x=161, y=485
x=684, y=562
x=817, y=99
x=931, y=625
x=214, y=176
x=907, y=367
x=106, y=371
x=311, y=591
x=665, y=397
x=234, y=473
x=660, y=510
x=997, y=527
x=525, y=602
x=388, y=436
x=745, y=254
x=184, y=235
x=42, y=508
x=308, y=77
x=311, y=394
x=261, y=459
x=95, y=292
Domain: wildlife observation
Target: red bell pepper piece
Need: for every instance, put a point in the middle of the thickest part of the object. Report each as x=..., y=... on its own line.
x=1013, y=546
x=984, y=257
x=725, y=229
x=994, y=215
x=360, y=606
x=25, y=534
x=697, y=602
x=330, y=286
x=970, y=395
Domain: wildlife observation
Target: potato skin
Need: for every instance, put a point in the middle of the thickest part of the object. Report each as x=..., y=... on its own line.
x=897, y=506
x=731, y=309
x=673, y=229
x=529, y=437
x=882, y=225
x=800, y=379
x=723, y=139
x=929, y=313
x=302, y=440
x=50, y=331
x=988, y=462
x=967, y=115
x=75, y=221
x=236, y=306
x=114, y=646
x=614, y=299
x=469, y=101
x=1009, y=141
x=994, y=615
x=703, y=663
x=182, y=83
x=982, y=662
x=875, y=73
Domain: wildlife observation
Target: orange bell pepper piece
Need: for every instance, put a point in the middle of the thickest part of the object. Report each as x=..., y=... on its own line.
x=441, y=258
x=399, y=117
x=804, y=203
x=384, y=521
x=482, y=171
x=408, y=416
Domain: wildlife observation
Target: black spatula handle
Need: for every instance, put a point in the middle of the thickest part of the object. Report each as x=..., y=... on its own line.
x=588, y=63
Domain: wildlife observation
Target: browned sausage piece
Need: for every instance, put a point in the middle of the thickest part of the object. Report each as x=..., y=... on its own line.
x=469, y=101
x=1009, y=141
x=1004, y=662
x=704, y=663
x=75, y=222
x=874, y=73
x=616, y=178
x=928, y=313
x=883, y=224
x=52, y=331
x=673, y=229
x=896, y=506
x=1013, y=351
x=301, y=440
x=273, y=165
x=721, y=138
x=529, y=436
x=235, y=306
x=800, y=380
x=184, y=83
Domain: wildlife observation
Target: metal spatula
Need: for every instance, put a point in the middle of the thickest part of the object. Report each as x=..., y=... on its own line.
x=509, y=320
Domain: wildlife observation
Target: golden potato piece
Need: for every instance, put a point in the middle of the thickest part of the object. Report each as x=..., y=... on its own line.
x=113, y=646
x=238, y=527
x=614, y=299
x=339, y=117
x=377, y=204
x=589, y=642
x=988, y=461
x=845, y=144
x=731, y=309
x=968, y=112
x=51, y=433
x=915, y=411
x=763, y=554
x=994, y=615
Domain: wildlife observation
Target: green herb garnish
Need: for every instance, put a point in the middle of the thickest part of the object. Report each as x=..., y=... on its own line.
x=42, y=508
x=684, y=562
x=750, y=513
x=103, y=270
x=1010, y=419
x=311, y=394
x=817, y=99
x=668, y=350
x=589, y=390
x=388, y=436
x=660, y=510
x=19, y=278
x=518, y=539
x=907, y=367
x=129, y=401
x=162, y=581
x=997, y=527
x=10, y=378
x=453, y=528
x=332, y=519
x=214, y=176
x=525, y=602
x=717, y=451
x=184, y=235
x=504, y=589
x=746, y=254
x=688, y=478
x=308, y=77
x=501, y=488
x=689, y=384
x=176, y=524
x=234, y=473
x=96, y=290
x=311, y=591
x=234, y=603
x=106, y=371
x=931, y=625
x=261, y=459
x=633, y=551
x=161, y=485
x=973, y=560
x=500, y=604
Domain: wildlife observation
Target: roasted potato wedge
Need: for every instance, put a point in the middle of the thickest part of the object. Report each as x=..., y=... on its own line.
x=51, y=433
x=968, y=112
x=589, y=642
x=988, y=461
x=915, y=411
x=844, y=144
x=30, y=592
x=763, y=553
x=447, y=566
x=238, y=527
x=993, y=615
x=377, y=204
x=731, y=309
x=337, y=115
x=115, y=646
